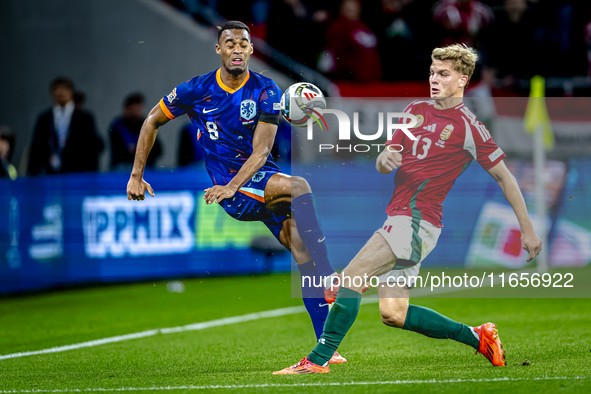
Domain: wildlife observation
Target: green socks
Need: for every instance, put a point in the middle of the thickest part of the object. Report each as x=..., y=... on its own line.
x=341, y=317
x=434, y=325
x=418, y=319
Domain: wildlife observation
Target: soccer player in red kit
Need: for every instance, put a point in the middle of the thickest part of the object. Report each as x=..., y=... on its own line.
x=448, y=137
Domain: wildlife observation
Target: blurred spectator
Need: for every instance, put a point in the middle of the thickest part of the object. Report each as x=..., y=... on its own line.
x=190, y=150
x=293, y=23
x=7, y=140
x=352, y=52
x=79, y=100
x=65, y=138
x=511, y=41
x=394, y=22
x=554, y=36
x=462, y=20
x=125, y=131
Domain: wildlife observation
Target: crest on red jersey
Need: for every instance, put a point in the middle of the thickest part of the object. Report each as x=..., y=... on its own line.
x=446, y=132
x=420, y=119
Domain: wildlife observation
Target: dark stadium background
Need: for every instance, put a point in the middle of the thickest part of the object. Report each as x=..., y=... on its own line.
x=98, y=293
x=51, y=225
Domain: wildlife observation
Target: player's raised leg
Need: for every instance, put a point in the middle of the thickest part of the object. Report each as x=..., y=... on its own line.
x=283, y=190
x=312, y=296
x=282, y=193
x=397, y=312
x=375, y=258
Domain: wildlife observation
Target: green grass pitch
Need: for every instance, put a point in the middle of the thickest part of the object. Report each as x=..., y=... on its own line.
x=553, y=334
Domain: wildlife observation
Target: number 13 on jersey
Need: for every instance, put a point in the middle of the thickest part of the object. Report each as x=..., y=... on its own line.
x=425, y=146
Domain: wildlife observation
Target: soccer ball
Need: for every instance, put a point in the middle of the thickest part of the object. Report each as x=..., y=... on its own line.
x=300, y=102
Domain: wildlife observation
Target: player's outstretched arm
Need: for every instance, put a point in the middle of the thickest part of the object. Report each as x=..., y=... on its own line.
x=529, y=239
x=262, y=142
x=388, y=161
x=136, y=187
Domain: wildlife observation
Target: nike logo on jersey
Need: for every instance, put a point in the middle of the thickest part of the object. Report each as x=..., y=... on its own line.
x=431, y=128
x=208, y=111
x=321, y=239
x=321, y=305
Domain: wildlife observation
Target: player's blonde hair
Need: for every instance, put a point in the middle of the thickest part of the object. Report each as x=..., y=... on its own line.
x=463, y=58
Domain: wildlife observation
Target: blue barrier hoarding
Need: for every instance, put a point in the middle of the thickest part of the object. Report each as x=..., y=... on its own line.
x=81, y=228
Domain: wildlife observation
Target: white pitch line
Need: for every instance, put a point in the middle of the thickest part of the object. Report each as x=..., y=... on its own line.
x=419, y=292
x=96, y=342
x=143, y=334
x=316, y=384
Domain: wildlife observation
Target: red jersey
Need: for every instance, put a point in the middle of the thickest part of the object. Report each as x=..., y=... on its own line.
x=447, y=142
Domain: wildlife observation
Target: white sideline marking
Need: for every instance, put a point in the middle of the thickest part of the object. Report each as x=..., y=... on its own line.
x=279, y=385
x=419, y=292
x=190, y=327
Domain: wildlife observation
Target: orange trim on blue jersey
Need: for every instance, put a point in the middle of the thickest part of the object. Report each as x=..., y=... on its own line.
x=252, y=195
x=165, y=109
x=198, y=134
x=272, y=124
x=218, y=78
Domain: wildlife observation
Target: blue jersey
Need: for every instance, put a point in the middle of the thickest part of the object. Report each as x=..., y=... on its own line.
x=225, y=118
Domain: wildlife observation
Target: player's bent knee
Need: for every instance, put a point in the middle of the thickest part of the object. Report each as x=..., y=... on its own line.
x=299, y=186
x=393, y=320
x=393, y=317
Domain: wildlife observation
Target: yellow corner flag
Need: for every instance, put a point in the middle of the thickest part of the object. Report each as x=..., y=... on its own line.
x=536, y=114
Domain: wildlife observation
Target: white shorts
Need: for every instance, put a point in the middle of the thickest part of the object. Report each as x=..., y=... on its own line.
x=411, y=240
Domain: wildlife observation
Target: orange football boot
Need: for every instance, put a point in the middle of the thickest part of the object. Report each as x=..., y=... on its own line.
x=304, y=366
x=490, y=344
x=337, y=359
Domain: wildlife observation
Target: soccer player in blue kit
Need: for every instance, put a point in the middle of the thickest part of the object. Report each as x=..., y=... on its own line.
x=236, y=112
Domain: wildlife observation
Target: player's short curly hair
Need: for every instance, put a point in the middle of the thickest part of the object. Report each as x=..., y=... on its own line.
x=231, y=25
x=463, y=58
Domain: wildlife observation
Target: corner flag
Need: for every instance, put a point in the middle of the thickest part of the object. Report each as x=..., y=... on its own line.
x=536, y=113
